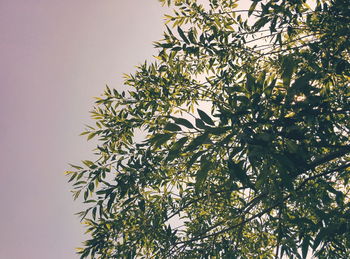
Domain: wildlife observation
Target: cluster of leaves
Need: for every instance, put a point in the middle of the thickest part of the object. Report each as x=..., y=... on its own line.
x=234, y=143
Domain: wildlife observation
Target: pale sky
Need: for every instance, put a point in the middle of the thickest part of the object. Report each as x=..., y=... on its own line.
x=55, y=55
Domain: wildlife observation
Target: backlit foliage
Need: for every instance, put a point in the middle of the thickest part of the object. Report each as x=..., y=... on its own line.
x=233, y=143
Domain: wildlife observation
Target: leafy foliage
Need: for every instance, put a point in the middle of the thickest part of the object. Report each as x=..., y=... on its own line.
x=234, y=143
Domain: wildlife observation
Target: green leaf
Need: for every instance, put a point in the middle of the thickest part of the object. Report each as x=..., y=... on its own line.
x=252, y=8
x=76, y=167
x=202, y=173
x=288, y=67
x=341, y=66
x=197, y=141
x=172, y=127
x=305, y=246
x=111, y=200
x=160, y=139
x=200, y=124
x=242, y=98
x=94, y=213
x=194, y=159
x=319, y=238
x=292, y=146
x=176, y=148
x=302, y=82
x=260, y=23
x=182, y=35
x=142, y=205
x=90, y=201
x=183, y=122
x=205, y=117
x=218, y=130
x=268, y=90
x=100, y=192
x=179, y=144
x=89, y=164
x=162, y=68
x=86, y=194
x=72, y=177
x=191, y=37
x=250, y=83
x=167, y=45
x=91, y=186
x=290, y=115
x=84, y=133
x=237, y=173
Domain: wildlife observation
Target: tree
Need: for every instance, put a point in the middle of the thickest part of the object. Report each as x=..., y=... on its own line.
x=234, y=143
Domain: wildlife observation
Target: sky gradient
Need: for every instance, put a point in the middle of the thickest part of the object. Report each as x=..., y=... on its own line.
x=54, y=57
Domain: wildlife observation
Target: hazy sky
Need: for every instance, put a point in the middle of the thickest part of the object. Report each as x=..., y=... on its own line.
x=55, y=55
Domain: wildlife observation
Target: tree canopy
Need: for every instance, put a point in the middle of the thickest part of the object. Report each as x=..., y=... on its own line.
x=233, y=143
